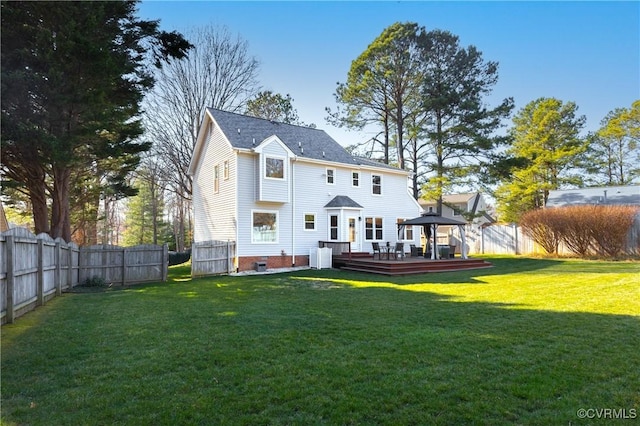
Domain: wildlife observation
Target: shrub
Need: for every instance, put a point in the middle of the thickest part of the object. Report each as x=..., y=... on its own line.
x=545, y=227
x=577, y=230
x=176, y=258
x=95, y=281
x=610, y=227
x=583, y=229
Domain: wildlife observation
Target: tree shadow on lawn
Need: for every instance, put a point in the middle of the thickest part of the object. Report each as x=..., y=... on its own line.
x=292, y=354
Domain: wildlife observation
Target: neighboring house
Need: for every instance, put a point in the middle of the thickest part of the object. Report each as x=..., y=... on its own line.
x=470, y=207
x=628, y=195
x=610, y=195
x=278, y=189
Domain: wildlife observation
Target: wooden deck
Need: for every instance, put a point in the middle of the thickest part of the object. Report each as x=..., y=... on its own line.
x=364, y=262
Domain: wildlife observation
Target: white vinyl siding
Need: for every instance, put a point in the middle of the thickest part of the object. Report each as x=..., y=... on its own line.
x=215, y=213
x=271, y=187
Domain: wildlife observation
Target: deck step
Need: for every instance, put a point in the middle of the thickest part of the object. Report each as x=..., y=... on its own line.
x=411, y=266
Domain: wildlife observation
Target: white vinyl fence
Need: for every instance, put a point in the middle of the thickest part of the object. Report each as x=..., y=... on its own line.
x=34, y=269
x=505, y=239
x=212, y=258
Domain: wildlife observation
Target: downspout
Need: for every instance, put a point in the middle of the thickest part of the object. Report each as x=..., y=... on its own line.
x=293, y=214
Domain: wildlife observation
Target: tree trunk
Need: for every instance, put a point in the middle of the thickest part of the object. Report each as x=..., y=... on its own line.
x=440, y=164
x=414, y=178
x=39, y=208
x=60, y=223
x=400, y=134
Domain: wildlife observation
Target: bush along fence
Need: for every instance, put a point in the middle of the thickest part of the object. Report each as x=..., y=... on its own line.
x=34, y=269
x=591, y=230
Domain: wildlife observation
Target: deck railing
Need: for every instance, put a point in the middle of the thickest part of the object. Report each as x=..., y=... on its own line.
x=338, y=247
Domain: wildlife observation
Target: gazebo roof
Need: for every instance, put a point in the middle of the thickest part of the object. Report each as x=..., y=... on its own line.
x=432, y=219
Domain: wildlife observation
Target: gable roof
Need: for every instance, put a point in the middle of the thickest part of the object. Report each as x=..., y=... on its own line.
x=619, y=195
x=247, y=132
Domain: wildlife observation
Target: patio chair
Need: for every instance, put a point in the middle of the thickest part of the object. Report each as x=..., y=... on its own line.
x=399, y=249
x=376, y=249
x=416, y=251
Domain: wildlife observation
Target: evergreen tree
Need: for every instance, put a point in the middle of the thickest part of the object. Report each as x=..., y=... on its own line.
x=614, y=150
x=546, y=140
x=73, y=77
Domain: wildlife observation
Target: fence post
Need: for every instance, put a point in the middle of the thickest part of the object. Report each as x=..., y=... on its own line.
x=58, y=258
x=80, y=269
x=40, y=276
x=228, y=256
x=69, y=267
x=124, y=266
x=10, y=277
x=165, y=262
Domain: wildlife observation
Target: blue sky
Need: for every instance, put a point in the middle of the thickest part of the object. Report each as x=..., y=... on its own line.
x=585, y=52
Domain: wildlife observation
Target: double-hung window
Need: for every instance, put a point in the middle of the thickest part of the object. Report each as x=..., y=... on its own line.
x=331, y=176
x=373, y=228
x=355, y=179
x=408, y=230
x=376, y=184
x=216, y=178
x=309, y=222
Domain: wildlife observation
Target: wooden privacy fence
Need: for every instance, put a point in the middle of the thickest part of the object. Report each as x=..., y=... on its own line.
x=124, y=265
x=212, y=257
x=34, y=269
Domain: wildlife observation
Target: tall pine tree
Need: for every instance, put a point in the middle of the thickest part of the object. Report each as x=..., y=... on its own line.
x=73, y=77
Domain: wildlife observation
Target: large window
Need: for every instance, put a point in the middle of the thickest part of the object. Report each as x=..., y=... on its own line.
x=408, y=230
x=274, y=167
x=373, y=228
x=309, y=222
x=376, y=184
x=331, y=176
x=264, y=227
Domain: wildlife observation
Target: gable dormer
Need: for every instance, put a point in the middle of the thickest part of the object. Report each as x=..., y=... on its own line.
x=274, y=170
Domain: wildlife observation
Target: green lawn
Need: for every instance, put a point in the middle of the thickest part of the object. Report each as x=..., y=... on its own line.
x=530, y=341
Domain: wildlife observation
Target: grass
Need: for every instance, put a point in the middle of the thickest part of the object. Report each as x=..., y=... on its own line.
x=530, y=341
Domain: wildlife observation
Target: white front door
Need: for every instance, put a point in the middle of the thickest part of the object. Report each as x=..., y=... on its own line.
x=352, y=226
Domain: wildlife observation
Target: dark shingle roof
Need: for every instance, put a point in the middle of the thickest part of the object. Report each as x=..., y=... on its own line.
x=247, y=132
x=621, y=195
x=342, y=201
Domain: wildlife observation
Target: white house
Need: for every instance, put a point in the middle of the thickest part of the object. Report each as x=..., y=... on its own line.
x=278, y=189
x=469, y=207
